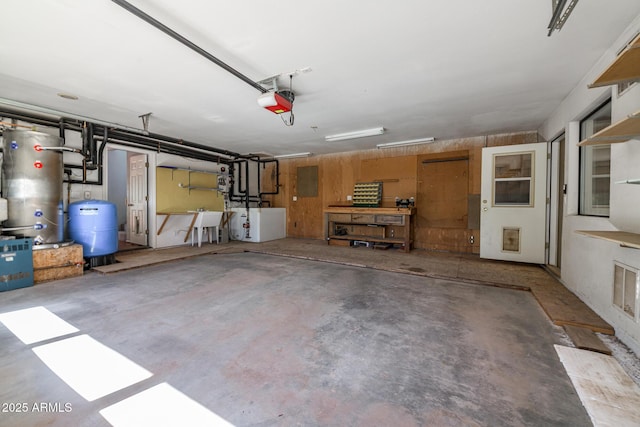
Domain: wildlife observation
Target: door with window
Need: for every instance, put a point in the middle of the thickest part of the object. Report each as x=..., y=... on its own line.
x=137, y=203
x=513, y=203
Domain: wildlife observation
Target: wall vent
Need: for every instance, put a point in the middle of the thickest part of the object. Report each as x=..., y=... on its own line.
x=625, y=289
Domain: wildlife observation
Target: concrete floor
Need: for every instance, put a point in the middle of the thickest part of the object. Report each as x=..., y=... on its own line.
x=263, y=340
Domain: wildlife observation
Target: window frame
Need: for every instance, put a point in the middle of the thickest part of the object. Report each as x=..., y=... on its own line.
x=588, y=204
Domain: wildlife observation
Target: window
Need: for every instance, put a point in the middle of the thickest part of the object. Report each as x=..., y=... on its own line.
x=625, y=289
x=512, y=179
x=595, y=165
x=622, y=87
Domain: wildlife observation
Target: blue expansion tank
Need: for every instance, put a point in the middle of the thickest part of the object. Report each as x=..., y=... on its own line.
x=94, y=225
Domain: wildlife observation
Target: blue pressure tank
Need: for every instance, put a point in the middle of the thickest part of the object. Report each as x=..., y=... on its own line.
x=94, y=224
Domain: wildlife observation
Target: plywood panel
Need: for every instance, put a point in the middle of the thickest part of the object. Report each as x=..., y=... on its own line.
x=397, y=169
x=397, y=174
x=58, y=263
x=305, y=218
x=338, y=173
x=446, y=239
x=442, y=200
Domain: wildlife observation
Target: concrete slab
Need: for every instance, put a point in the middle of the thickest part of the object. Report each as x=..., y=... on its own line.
x=266, y=340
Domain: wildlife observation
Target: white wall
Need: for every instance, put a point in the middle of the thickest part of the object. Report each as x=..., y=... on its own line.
x=587, y=263
x=117, y=183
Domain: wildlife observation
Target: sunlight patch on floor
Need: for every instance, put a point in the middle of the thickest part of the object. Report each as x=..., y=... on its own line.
x=36, y=324
x=92, y=369
x=161, y=405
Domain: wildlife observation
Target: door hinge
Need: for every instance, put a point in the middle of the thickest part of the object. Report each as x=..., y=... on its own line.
x=146, y=164
x=546, y=245
x=548, y=156
x=146, y=199
x=146, y=232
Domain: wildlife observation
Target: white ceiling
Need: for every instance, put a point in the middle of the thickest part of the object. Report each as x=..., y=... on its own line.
x=441, y=68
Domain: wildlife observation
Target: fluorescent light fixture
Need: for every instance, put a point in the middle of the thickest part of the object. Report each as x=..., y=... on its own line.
x=293, y=155
x=407, y=142
x=355, y=134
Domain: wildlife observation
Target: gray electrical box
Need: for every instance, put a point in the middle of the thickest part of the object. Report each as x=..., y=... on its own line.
x=16, y=263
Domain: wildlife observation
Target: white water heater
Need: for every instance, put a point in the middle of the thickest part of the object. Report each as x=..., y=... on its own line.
x=264, y=224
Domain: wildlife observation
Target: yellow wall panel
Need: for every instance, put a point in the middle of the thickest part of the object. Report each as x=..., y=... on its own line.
x=172, y=194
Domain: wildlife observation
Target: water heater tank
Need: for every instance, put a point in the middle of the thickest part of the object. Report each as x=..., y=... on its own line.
x=94, y=224
x=32, y=185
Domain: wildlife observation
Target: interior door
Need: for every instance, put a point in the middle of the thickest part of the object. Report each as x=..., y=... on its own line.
x=137, y=204
x=513, y=207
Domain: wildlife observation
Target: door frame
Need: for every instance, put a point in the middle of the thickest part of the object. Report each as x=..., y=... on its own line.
x=150, y=177
x=523, y=225
x=555, y=195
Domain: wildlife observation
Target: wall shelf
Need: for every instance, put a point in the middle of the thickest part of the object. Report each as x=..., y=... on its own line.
x=624, y=68
x=190, y=187
x=622, y=131
x=624, y=238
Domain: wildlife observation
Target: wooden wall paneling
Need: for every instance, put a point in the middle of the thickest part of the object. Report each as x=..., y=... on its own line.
x=512, y=139
x=338, y=179
x=444, y=193
x=268, y=182
x=398, y=169
x=305, y=213
x=397, y=174
x=447, y=239
x=442, y=201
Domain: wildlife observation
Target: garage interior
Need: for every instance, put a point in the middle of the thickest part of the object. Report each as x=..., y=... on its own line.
x=424, y=225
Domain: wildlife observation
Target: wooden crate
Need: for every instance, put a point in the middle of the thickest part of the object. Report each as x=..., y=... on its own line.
x=60, y=263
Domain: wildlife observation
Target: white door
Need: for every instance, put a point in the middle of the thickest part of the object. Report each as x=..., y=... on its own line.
x=513, y=203
x=137, y=203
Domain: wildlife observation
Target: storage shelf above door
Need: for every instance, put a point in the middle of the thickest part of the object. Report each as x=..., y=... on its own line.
x=625, y=68
x=624, y=238
x=622, y=131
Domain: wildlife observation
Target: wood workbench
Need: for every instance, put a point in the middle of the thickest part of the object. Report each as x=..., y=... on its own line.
x=375, y=226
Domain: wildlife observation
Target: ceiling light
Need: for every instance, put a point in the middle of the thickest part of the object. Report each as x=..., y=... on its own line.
x=355, y=134
x=292, y=156
x=407, y=142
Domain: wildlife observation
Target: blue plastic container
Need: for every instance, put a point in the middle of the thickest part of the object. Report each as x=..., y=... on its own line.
x=94, y=224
